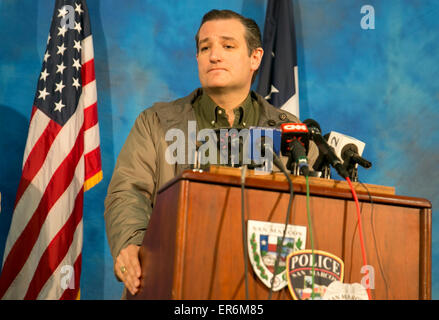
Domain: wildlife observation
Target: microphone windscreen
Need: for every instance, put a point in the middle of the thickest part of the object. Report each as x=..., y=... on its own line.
x=310, y=123
x=338, y=141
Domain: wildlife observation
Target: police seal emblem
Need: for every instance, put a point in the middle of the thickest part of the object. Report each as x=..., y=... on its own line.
x=345, y=291
x=327, y=269
x=263, y=240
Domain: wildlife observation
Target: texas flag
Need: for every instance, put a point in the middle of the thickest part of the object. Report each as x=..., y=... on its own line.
x=278, y=78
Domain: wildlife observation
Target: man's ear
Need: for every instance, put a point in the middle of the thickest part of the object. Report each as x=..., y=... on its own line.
x=256, y=58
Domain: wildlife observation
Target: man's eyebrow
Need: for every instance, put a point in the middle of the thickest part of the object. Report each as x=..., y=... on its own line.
x=228, y=38
x=222, y=37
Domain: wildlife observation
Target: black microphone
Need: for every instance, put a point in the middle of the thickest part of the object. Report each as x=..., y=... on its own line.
x=350, y=150
x=325, y=148
x=349, y=153
x=268, y=146
x=264, y=147
x=295, y=144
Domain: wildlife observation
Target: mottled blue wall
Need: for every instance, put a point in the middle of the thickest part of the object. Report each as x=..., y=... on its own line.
x=377, y=85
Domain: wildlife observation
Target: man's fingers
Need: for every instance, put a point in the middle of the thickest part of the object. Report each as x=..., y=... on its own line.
x=129, y=279
x=134, y=264
x=132, y=284
x=128, y=268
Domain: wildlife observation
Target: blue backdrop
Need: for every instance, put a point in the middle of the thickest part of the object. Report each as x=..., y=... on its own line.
x=378, y=85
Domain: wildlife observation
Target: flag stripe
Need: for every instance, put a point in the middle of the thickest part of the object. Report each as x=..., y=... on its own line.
x=88, y=72
x=30, y=199
x=34, y=109
x=88, y=97
x=52, y=287
x=56, y=218
x=91, y=116
x=23, y=246
x=56, y=250
x=92, y=139
x=92, y=163
x=87, y=49
x=37, y=156
x=37, y=125
x=72, y=294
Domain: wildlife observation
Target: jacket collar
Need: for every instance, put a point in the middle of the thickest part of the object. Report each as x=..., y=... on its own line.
x=177, y=113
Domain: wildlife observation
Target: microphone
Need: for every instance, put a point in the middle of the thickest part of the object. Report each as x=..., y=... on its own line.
x=350, y=154
x=295, y=145
x=325, y=149
x=267, y=142
x=229, y=145
x=350, y=150
x=263, y=148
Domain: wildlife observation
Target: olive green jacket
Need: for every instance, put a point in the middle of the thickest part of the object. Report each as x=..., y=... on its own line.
x=141, y=169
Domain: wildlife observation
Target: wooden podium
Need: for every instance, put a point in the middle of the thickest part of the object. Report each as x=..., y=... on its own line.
x=193, y=246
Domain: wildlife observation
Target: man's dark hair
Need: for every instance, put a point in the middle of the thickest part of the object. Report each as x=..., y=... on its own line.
x=252, y=33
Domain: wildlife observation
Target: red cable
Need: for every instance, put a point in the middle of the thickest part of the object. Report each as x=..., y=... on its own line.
x=363, y=249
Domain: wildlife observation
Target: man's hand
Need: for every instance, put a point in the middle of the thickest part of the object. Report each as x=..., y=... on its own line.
x=127, y=267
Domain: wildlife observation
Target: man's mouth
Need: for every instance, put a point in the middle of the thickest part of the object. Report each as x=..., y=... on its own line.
x=216, y=69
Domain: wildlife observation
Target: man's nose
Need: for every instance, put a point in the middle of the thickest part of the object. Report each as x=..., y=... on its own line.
x=215, y=53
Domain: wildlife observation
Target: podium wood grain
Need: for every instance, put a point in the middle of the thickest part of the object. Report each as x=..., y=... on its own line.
x=193, y=246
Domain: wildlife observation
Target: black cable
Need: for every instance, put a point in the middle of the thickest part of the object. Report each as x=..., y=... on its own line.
x=374, y=237
x=281, y=166
x=244, y=233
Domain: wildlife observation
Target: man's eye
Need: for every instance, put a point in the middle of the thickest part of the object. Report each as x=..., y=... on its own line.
x=228, y=46
x=204, y=48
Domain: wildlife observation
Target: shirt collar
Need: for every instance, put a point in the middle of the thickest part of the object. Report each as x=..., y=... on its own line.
x=209, y=109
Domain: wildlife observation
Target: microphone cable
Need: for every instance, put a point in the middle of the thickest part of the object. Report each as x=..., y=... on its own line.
x=360, y=230
x=244, y=233
x=308, y=211
x=278, y=162
x=372, y=223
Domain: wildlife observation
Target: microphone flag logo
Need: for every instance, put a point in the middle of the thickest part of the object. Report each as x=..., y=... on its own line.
x=263, y=240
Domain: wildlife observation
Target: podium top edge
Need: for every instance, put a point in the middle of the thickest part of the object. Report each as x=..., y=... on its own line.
x=320, y=187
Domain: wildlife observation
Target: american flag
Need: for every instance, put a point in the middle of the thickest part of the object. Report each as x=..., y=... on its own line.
x=42, y=258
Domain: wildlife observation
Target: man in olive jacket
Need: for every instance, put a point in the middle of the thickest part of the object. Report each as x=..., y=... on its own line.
x=228, y=54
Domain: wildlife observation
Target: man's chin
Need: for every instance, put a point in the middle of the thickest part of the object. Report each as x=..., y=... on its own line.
x=216, y=87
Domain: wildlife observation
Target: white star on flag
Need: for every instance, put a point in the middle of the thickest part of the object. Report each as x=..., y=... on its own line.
x=59, y=106
x=76, y=83
x=59, y=86
x=62, y=12
x=43, y=94
x=62, y=30
x=77, y=27
x=77, y=45
x=46, y=56
x=61, y=49
x=273, y=90
x=60, y=68
x=78, y=8
x=44, y=75
x=76, y=64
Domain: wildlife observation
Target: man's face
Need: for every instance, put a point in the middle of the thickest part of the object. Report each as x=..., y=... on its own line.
x=223, y=59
